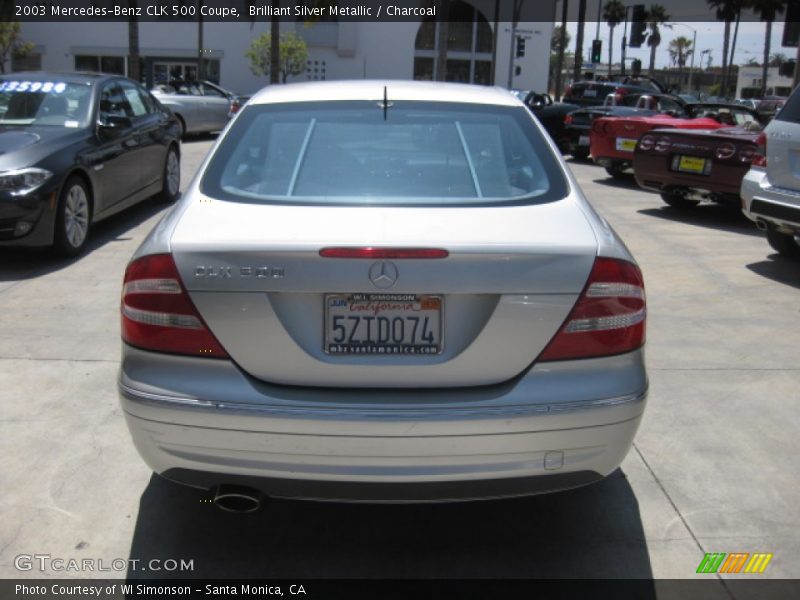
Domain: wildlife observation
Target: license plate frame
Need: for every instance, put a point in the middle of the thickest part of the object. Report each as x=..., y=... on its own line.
x=625, y=144
x=351, y=335
x=694, y=165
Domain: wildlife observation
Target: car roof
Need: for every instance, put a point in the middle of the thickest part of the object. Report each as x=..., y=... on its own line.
x=70, y=77
x=425, y=91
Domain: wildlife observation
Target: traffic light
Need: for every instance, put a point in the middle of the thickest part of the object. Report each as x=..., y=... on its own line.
x=520, y=46
x=638, y=24
x=597, y=50
x=791, y=27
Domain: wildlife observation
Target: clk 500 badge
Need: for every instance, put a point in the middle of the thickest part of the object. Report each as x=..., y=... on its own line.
x=219, y=272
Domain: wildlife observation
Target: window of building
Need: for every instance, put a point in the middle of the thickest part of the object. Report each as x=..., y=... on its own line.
x=100, y=64
x=30, y=62
x=469, y=46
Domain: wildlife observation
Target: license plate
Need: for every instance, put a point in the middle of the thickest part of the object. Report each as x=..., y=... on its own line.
x=692, y=164
x=589, y=93
x=626, y=144
x=583, y=140
x=383, y=324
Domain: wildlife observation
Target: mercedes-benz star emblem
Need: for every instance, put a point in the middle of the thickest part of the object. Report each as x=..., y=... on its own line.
x=383, y=274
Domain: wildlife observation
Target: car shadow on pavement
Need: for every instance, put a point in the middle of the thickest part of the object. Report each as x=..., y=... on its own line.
x=626, y=181
x=778, y=268
x=18, y=263
x=710, y=215
x=590, y=532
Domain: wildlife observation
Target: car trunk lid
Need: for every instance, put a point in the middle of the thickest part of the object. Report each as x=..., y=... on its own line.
x=511, y=276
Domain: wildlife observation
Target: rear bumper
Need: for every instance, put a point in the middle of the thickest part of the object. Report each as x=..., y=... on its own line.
x=654, y=173
x=777, y=206
x=387, y=445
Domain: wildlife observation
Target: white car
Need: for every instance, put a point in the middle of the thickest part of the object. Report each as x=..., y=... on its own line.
x=771, y=188
x=383, y=291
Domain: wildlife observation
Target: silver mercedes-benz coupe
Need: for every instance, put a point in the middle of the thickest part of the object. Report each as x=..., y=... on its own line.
x=382, y=291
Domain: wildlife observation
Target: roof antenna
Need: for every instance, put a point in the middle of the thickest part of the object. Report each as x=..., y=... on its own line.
x=385, y=102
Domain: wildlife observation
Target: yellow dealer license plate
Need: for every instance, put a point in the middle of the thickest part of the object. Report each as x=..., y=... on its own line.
x=626, y=144
x=692, y=164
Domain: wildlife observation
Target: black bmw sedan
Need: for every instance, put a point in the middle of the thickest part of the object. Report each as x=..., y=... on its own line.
x=76, y=148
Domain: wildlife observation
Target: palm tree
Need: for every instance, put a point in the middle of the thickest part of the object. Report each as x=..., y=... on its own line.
x=680, y=49
x=656, y=16
x=134, y=62
x=725, y=10
x=768, y=11
x=275, y=45
x=613, y=15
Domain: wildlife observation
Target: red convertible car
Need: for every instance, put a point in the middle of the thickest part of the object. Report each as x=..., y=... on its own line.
x=689, y=166
x=613, y=139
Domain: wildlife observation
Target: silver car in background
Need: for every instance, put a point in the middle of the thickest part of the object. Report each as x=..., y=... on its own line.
x=383, y=291
x=771, y=188
x=199, y=106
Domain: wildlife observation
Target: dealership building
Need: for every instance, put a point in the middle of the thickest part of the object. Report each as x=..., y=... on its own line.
x=338, y=48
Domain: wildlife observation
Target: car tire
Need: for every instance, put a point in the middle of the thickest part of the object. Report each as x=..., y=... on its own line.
x=580, y=154
x=171, y=178
x=181, y=127
x=616, y=171
x=73, y=218
x=679, y=201
x=783, y=243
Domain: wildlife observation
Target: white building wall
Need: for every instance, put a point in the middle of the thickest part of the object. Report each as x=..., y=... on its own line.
x=751, y=77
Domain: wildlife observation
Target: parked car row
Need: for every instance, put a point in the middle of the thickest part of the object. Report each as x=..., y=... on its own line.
x=77, y=148
x=690, y=152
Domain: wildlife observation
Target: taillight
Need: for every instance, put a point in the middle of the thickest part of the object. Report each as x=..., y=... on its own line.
x=647, y=142
x=235, y=106
x=725, y=150
x=760, y=154
x=746, y=153
x=609, y=317
x=663, y=144
x=568, y=120
x=597, y=126
x=157, y=313
x=608, y=127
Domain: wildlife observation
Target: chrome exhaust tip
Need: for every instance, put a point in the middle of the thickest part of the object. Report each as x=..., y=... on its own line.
x=762, y=224
x=237, y=498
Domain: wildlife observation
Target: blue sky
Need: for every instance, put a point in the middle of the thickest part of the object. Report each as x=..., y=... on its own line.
x=750, y=41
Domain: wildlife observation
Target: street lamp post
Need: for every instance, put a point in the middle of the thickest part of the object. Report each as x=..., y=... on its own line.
x=694, y=45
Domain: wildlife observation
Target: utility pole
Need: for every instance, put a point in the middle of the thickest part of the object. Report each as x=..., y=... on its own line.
x=201, y=71
x=561, y=43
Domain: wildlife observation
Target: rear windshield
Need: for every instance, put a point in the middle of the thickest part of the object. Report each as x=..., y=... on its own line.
x=791, y=108
x=410, y=153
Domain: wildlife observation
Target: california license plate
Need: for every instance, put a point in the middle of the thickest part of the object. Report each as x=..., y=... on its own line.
x=589, y=93
x=384, y=324
x=583, y=140
x=626, y=144
x=692, y=164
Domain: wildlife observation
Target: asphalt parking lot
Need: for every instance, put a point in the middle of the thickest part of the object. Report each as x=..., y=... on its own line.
x=714, y=467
